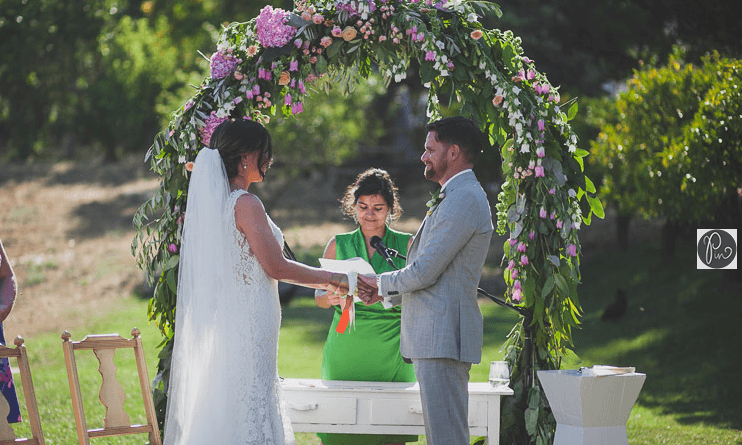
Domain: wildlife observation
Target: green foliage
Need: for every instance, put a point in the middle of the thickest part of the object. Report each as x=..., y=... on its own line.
x=671, y=146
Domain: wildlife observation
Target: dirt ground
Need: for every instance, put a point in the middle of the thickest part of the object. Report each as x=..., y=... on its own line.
x=67, y=228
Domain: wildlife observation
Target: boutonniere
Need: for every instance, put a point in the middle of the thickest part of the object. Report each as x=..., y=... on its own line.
x=436, y=199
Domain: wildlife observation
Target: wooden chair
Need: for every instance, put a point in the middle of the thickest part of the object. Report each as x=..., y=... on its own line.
x=111, y=394
x=7, y=435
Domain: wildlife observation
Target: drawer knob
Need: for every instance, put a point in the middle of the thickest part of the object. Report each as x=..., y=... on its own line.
x=302, y=407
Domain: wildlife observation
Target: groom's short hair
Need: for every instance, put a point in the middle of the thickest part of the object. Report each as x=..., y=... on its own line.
x=461, y=131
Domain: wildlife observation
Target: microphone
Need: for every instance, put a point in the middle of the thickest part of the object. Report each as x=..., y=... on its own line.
x=377, y=244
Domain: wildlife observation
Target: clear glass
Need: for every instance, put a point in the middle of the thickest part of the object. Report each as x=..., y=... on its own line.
x=499, y=374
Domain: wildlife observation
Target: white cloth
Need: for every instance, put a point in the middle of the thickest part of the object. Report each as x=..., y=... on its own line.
x=224, y=385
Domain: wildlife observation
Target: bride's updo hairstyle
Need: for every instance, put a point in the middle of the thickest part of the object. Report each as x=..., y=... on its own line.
x=373, y=181
x=233, y=138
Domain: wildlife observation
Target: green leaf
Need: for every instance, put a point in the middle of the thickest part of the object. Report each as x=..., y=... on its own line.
x=561, y=284
x=572, y=111
x=596, y=206
x=548, y=287
x=171, y=262
x=531, y=417
x=589, y=186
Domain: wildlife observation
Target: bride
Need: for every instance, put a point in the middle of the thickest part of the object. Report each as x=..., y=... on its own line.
x=224, y=386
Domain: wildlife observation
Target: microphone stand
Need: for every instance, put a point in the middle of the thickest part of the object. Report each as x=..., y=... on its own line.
x=527, y=320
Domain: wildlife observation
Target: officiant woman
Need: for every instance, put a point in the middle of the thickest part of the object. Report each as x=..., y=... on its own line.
x=369, y=350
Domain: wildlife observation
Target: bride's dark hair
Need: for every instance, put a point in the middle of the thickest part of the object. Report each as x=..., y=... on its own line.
x=233, y=138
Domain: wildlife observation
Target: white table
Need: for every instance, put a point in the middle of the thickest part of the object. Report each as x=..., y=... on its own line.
x=323, y=406
x=589, y=409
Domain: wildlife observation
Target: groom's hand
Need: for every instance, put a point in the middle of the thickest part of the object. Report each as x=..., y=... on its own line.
x=367, y=290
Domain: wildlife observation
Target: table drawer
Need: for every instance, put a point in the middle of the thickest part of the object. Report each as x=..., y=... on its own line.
x=308, y=408
x=396, y=412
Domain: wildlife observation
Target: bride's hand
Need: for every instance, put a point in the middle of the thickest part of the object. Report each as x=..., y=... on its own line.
x=335, y=299
x=338, y=284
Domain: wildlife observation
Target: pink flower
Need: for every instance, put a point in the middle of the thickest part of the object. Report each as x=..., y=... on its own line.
x=325, y=41
x=222, y=64
x=514, y=274
x=517, y=291
x=541, y=125
x=271, y=27
x=317, y=19
x=256, y=89
x=513, y=242
x=297, y=107
x=476, y=34
x=542, y=213
x=430, y=56
x=172, y=248
x=287, y=100
x=294, y=65
x=189, y=166
x=572, y=250
x=540, y=152
x=521, y=247
x=559, y=224
x=511, y=265
x=524, y=260
x=539, y=171
x=211, y=123
x=497, y=100
x=337, y=32
x=530, y=75
x=552, y=191
x=531, y=235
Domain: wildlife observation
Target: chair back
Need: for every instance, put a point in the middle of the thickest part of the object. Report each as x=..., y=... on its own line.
x=111, y=393
x=7, y=435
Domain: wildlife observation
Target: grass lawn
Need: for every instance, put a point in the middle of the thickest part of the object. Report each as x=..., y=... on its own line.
x=680, y=329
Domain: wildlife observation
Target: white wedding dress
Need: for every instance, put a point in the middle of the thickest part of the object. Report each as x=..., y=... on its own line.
x=224, y=385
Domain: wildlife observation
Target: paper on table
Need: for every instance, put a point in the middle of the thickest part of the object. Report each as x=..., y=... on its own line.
x=356, y=264
x=603, y=370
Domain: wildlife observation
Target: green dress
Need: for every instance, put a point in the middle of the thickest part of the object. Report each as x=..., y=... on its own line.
x=368, y=350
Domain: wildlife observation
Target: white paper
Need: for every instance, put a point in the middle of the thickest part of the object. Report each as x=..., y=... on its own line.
x=357, y=264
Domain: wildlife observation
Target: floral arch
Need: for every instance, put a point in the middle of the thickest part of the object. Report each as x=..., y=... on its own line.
x=265, y=65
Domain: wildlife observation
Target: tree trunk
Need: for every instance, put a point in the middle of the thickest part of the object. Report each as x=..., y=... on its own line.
x=622, y=231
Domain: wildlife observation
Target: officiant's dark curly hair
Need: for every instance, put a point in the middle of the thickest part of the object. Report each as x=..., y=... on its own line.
x=233, y=138
x=373, y=181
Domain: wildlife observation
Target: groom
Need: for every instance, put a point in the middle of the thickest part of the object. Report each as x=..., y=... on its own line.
x=441, y=320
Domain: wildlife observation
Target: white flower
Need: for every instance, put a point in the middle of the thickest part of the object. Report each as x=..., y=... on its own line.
x=519, y=128
x=525, y=148
x=444, y=72
x=440, y=44
x=572, y=148
x=571, y=193
x=472, y=17
x=516, y=102
x=182, y=159
x=516, y=90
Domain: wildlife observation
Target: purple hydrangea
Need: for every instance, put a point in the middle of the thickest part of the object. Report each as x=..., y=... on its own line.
x=222, y=64
x=211, y=123
x=271, y=27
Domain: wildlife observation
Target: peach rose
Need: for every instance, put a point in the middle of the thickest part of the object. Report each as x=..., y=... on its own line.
x=285, y=78
x=189, y=166
x=476, y=34
x=497, y=100
x=349, y=33
x=252, y=50
x=326, y=41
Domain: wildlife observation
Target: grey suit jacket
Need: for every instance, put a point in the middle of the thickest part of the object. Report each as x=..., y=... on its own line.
x=438, y=287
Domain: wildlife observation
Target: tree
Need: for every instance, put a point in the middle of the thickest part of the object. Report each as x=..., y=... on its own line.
x=670, y=145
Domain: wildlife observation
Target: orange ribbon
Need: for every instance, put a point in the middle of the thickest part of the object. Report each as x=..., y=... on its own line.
x=344, y=320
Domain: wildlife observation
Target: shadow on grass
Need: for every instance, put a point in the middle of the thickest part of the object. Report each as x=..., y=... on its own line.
x=680, y=329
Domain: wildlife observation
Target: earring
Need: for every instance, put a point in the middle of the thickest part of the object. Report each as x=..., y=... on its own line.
x=245, y=167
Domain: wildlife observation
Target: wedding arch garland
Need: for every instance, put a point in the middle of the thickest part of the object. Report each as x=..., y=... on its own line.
x=265, y=65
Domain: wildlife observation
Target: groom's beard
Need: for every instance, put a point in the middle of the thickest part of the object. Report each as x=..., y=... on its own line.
x=435, y=172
